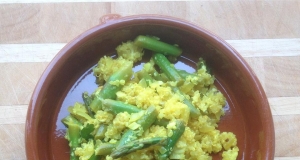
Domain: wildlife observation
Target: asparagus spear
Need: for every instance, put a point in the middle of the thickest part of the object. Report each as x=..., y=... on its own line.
x=73, y=134
x=129, y=135
x=145, y=76
x=137, y=145
x=87, y=101
x=76, y=133
x=70, y=120
x=119, y=106
x=193, y=110
x=167, y=68
x=146, y=121
x=109, y=90
x=105, y=148
x=101, y=131
x=171, y=141
x=79, y=112
x=157, y=46
x=173, y=75
x=74, y=139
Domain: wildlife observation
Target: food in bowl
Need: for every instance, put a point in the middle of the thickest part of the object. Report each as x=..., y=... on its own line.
x=247, y=112
x=157, y=112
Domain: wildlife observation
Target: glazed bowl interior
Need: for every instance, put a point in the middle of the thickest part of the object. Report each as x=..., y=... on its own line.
x=247, y=112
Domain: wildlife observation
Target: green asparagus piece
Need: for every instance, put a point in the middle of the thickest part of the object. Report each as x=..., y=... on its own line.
x=145, y=76
x=155, y=45
x=167, y=68
x=109, y=90
x=160, y=76
x=116, y=107
x=105, y=148
x=87, y=101
x=161, y=122
x=79, y=112
x=70, y=120
x=145, y=121
x=73, y=134
x=149, y=117
x=137, y=145
x=129, y=135
x=172, y=140
x=96, y=104
x=194, y=112
x=100, y=134
x=173, y=75
x=74, y=139
x=119, y=106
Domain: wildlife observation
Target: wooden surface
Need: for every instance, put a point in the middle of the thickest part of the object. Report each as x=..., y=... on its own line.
x=266, y=33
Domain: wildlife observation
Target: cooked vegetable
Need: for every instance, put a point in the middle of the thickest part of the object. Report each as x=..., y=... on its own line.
x=193, y=110
x=165, y=65
x=166, y=150
x=144, y=122
x=87, y=101
x=137, y=145
x=73, y=134
x=105, y=149
x=70, y=120
x=79, y=112
x=155, y=45
x=173, y=75
x=118, y=106
x=74, y=139
x=100, y=134
x=146, y=77
x=111, y=87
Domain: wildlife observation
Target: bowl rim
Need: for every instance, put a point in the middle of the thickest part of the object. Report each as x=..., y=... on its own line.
x=30, y=125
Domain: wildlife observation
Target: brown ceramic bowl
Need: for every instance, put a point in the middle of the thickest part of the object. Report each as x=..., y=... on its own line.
x=69, y=74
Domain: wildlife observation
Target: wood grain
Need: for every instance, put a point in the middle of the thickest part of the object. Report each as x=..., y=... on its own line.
x=13, y=114
x=285, y=135
x=12, y=143
x=18, y=81
x=228, y=19
x=284, y=105
x=248, y=48
x=265, y=32
x=21, y=77
x=29, y=52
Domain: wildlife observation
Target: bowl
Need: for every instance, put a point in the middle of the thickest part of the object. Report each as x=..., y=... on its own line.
x=70, y=73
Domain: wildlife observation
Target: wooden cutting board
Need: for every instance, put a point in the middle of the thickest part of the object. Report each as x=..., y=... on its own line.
x=266, y=33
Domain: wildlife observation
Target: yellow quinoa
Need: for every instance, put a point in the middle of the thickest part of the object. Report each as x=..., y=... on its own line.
x=201, y=137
